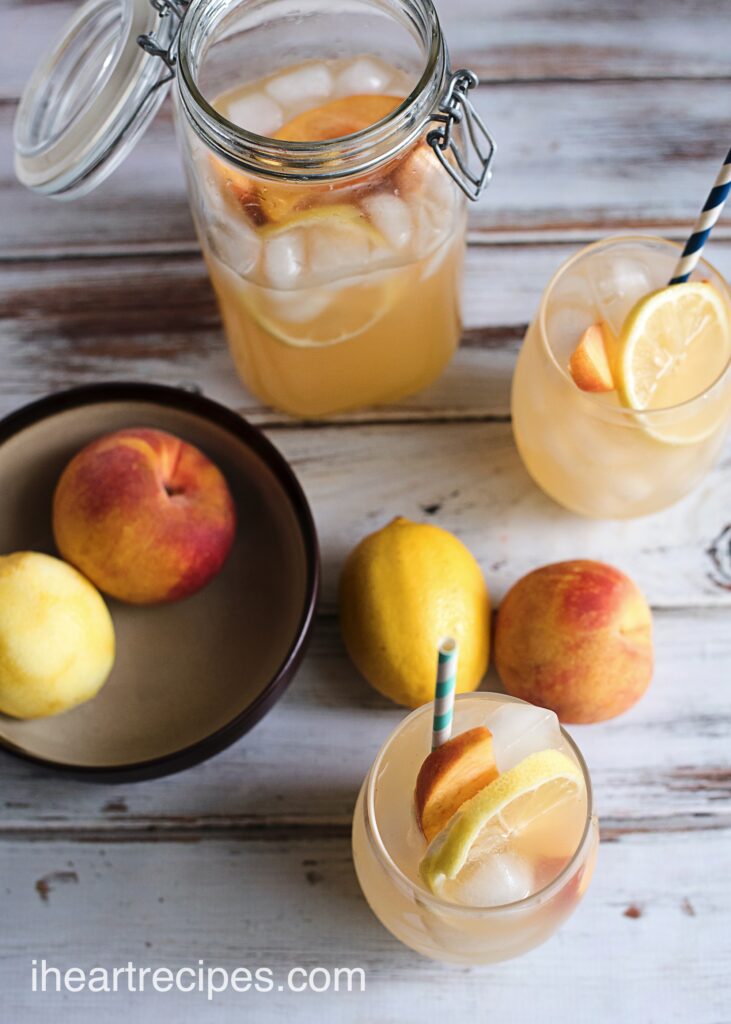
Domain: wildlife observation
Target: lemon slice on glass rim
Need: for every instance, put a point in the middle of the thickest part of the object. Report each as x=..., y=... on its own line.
x=674, y=345
x=510, y=803
x=334, y=311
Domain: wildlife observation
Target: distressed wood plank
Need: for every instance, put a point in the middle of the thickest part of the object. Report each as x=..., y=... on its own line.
x=143, y=318
x=469, y=477
x=657, y=910
x=72, y=322
x=600, y=157
x=529, y=39
x=580, y=40
x=666, y=759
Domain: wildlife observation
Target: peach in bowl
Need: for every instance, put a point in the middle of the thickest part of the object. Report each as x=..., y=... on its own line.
x=211, y=620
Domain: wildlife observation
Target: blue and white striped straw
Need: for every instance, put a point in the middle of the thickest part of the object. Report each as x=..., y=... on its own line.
x=444, y=697
x=708, y=217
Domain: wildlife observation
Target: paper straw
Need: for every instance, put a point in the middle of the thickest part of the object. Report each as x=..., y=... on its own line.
x=444, y=697
x=702, y=229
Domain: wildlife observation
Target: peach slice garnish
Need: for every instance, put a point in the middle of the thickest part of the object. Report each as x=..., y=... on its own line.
x=451, y=774
x=591, y=361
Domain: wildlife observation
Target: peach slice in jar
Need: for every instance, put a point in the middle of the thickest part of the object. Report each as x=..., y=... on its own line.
x=421, y=182
x=238, y=188
x=276, y=201
x=333, y=120
x=338, y=118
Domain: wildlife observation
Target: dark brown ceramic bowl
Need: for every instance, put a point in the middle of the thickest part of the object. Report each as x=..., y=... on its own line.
x=190, y=677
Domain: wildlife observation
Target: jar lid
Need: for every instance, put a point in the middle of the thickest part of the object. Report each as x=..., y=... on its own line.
x=91, y=98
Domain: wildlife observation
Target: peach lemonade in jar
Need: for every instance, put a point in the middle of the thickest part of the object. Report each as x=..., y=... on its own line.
x=478, y=851
x=341, y=293
x=328, y=150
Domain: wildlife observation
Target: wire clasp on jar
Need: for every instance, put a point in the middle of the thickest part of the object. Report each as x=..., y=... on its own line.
x=150, y=43
x=456, y=108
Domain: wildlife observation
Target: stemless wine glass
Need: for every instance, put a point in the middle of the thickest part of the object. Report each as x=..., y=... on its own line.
x=387, y=847
x=586, y=451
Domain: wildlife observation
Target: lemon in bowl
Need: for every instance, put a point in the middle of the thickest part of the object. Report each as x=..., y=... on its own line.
x=56, y=636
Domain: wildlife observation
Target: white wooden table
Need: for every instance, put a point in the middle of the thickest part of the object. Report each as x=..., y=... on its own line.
x=608, y=116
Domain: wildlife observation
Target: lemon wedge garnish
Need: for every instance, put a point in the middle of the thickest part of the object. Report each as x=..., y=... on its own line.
x=538, y=784
x=674, y=344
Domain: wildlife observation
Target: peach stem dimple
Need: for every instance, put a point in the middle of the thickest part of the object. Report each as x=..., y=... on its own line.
x=168, y=467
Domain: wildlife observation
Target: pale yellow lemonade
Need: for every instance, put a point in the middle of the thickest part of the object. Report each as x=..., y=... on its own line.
x=646, y=443
x=342, y=293
x=528, y=865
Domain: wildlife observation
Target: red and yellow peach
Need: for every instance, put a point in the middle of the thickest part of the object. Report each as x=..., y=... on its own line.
x=147, y=517
x=575, y=637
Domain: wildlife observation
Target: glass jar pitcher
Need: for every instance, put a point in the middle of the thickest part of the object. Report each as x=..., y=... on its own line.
x=328, y=150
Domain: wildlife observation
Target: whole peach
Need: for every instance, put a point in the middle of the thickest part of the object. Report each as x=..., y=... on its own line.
x=575, y=637
x=146, y=516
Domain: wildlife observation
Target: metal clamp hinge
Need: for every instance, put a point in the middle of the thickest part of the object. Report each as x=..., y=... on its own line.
x=456, y=108
x=150, y=43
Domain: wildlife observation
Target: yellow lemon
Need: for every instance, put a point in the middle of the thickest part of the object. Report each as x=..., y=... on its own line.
x=322, y=315
x=56, y=636
x=403, y=589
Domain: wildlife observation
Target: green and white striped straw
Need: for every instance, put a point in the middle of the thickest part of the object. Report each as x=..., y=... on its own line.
x=444, y=697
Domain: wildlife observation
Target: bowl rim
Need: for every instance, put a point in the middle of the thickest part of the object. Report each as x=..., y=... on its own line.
x=245, y=432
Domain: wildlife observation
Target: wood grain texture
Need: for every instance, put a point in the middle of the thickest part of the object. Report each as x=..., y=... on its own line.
x=666, y=760
x=584, y=160
x=147, y=318
x=469, y=478
x=510, y=39
x=650, y=943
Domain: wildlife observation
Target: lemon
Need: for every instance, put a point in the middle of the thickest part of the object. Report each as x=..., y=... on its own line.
x=363, y=307
x=675, y=343
x=56, y=636
x=339, y=218
x=538, y=784
x=336, y=311
x=402, y=590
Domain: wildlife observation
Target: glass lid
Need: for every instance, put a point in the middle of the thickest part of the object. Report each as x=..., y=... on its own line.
x=92, y=97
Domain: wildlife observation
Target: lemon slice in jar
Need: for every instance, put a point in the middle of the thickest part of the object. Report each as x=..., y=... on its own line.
x=537, y=785
x=674, y=345
x=338, y=248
